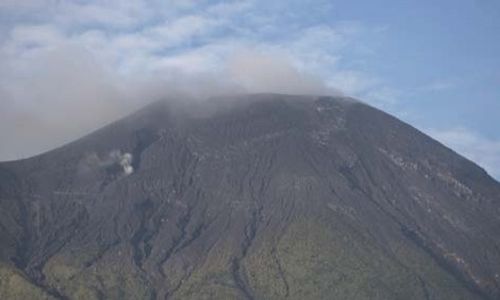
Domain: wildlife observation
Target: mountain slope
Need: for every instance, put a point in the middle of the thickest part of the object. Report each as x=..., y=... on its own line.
x=253, y=197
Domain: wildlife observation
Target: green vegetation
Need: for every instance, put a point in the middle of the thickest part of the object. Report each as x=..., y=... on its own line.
x=311, y=260
x=15, y=286
x=114, y=281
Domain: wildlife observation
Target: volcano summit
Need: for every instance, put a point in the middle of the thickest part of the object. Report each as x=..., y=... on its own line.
x=255, y=197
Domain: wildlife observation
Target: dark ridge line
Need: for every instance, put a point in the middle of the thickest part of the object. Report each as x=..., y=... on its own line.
x=145, y=138
x=35, y=272
x=171, y=292
x=420, y=243
x=100, y=294
x=240, y=284
x=23, y=247
x=154, y=295
x=281, y=273
x=427, y=295
x=443, y=263
x=181, y=224
x=145, y=210
x=194, y=235
x=80, y=217
x=101, y=253
x=148, y=248
x=50, y=290
x=250, y=233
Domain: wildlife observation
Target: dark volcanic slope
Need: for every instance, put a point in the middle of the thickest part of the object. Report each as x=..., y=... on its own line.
x=267, y=197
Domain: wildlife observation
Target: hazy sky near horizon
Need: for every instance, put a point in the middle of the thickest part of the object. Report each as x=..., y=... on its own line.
x=68, y=67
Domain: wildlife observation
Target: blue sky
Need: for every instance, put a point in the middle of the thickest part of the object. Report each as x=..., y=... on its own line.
x=433, y=64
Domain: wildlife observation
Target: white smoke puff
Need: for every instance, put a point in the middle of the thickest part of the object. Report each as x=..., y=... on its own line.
x=93, y=162
x=125, y=162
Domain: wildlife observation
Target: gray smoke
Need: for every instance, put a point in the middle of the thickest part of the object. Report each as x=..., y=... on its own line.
x=65, y=93
x=93, y=162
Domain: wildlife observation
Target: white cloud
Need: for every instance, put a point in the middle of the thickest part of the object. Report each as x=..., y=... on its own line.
x=25, y=41
x=14, y=5
x=181, y=30
x=96, y=60
x=439, y=85
x=474, y=146
x=230, y=8
x=353, y=82
x=114, y=14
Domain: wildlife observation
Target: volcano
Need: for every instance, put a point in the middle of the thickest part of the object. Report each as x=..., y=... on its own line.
x=263, y=196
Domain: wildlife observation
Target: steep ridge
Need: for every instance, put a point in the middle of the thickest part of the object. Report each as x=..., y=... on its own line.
x=250, y=197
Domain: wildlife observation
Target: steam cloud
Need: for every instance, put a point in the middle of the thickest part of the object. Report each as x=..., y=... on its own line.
x=93, y=162
x=124, y=160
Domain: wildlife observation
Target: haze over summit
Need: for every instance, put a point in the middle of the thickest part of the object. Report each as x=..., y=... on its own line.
x=68, y=68
x=71, y=95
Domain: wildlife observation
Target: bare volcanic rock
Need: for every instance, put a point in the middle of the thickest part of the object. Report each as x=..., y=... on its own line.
x=250, y=197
